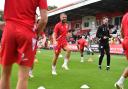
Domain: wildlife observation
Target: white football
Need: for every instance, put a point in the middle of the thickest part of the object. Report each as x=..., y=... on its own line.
x=41, y=87
x=84, y=87
x=60, y=56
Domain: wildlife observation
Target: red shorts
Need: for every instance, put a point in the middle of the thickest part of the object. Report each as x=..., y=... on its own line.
x=18, y=45
x=60, y=45
x=125, y=46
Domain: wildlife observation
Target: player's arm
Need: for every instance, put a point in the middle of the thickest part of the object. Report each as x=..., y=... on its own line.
x=43, y=39
x=44, y=18
x=99, y=33
x=43, y=21
x=77, y=45
x=86, y=44
x=55, y=34
x=122, y=34
x=110, y=30
x=69, y=33
x=54, y=38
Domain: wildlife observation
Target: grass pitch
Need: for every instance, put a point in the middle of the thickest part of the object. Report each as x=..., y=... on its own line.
x=79, y=73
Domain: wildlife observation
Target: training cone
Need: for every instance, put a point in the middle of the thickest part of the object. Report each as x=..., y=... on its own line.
x=84, y=87
x=41, y=87
x=60, y=56
x=36, y=60
x=39, y=51
x=90, y=60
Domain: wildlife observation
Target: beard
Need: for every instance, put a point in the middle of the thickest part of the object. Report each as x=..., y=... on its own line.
x=64, y=21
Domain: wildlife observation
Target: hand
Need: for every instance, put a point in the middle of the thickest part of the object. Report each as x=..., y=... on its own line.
x=36, y=30
x=121, y=39
x=38, y=33
x=69, y=34
x=54, y=42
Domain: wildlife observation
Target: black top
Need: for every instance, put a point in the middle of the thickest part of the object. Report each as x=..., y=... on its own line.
x=103, y=31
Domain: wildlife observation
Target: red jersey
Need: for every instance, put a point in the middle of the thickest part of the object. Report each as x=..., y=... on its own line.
x=125, y=25
x=82, y=42
x=23, y=11
x=61, y=31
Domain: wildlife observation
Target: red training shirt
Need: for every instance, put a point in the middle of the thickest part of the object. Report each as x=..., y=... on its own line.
x=125, y=25
x=61, y=31
x=23, y=11
x=82, y=42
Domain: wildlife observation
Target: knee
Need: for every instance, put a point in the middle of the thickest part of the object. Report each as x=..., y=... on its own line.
x=23, y=77
x=68, y=51
x=108, y=54
x=23, y=74
x=57, y=53
x=126, y=69
x=6, y=76
x=6, y=73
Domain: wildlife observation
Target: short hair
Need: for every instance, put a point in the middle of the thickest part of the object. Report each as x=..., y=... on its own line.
x=104, y=17
x=83, y=37
x=63, y=14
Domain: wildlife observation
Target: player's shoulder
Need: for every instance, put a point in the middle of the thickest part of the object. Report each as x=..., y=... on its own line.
x=58, y=24
x=84, y=40
x=100, y=27
x=125, y=17
x=78, y=40
x=81, y=39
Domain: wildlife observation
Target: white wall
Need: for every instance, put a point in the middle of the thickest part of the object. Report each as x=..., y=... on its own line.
x=91, y=20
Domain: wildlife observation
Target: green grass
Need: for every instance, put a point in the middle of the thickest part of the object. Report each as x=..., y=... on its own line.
x=79, y=73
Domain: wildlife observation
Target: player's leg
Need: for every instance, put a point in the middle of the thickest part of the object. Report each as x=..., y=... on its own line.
x=82, y=56
x=67, y=57
x=23, y=77
x=35, y=61
x=120, y=82
x=91, y=51
x=31, y=72
x=24, y=67
x=125, y=73
x=5, y=77
x=31, y=69
x=26, y=46
x=101, y=48
x=107, y=50
x=55, y=58
x=124, y=76
x=8, y=54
